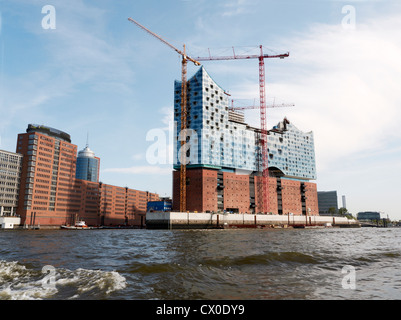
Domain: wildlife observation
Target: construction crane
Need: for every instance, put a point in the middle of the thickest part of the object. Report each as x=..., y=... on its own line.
x=185, y=59
x=274, y=105
x=263, y=121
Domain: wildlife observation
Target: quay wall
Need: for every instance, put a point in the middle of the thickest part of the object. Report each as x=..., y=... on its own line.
x=190, y=220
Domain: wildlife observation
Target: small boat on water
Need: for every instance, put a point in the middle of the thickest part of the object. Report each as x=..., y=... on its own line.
x=79, y=225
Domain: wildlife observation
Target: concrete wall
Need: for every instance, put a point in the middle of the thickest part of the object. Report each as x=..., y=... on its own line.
x=9, y=222
x=180, y=220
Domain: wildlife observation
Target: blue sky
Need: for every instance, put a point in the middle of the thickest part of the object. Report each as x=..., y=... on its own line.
x=98, y=74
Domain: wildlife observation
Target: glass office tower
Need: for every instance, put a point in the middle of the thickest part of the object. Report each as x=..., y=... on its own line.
x=87, y=165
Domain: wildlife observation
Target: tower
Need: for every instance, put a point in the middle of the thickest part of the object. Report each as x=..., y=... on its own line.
x=87, y=165
x=47, y=176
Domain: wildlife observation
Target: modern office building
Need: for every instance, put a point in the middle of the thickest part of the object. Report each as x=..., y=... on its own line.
x=51, y=195
x=328, y=202
x=344, y=202
x=88, y=165
x=10, y=173
x=47, y=176
x=223, y=157
x=370, y=216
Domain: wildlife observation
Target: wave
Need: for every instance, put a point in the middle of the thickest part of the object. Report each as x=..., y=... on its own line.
x=257, y=259
x=265, y=259
x=377, y=257
x=155, y=268
x=17, y=282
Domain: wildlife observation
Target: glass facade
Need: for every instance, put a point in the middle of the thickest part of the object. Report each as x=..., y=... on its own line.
x=370, y=215
x=214, y=140
x=87, y=166
x=292, y=152
x=10, y=173
x=217, y=138
x=327, y=200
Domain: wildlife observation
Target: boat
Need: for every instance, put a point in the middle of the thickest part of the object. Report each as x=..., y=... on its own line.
x=79, y=225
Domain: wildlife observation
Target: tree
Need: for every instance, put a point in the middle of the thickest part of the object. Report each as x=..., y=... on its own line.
x=332, y=211
x=343, y=211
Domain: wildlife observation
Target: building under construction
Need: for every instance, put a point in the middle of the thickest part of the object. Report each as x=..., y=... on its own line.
x=223, y=158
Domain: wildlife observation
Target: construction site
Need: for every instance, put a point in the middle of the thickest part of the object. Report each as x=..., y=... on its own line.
x=228, y=173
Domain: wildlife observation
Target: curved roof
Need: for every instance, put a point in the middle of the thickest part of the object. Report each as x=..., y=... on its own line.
x=86, y=153
x=49, y=131
x=200, y=73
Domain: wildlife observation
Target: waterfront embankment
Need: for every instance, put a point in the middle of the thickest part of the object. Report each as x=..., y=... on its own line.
x=192, y=220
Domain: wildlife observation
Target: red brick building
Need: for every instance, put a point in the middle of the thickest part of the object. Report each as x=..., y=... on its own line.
x=50, y=195
x=211, y=190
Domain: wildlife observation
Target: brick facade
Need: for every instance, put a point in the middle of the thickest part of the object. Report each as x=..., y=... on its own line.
x=50, y=195
x=212, y=191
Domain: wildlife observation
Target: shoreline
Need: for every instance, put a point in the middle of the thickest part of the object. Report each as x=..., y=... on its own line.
x=189, y=220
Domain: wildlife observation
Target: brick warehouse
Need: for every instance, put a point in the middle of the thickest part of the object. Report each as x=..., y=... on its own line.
x=213, y=191
x=50, y=194
x=224, y=145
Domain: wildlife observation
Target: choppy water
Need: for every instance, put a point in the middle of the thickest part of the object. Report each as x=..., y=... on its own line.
x=201, y=264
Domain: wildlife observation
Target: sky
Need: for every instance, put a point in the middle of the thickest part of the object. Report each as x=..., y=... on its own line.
x=83, y=68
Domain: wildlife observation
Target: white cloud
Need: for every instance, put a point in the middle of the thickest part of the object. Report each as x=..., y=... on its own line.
x=138, y=156
x=167, y=117
x=237, y=7
x=345, y=86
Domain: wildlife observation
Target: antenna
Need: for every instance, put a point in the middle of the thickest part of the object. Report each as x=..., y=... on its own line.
x=87, y=139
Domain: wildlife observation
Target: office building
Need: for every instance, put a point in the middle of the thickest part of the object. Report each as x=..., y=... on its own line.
x=10, y=173
x=223, y=157
x=51, y=195
x=107, y=205
x=344, y=201
x=370, y=216
x=88, y=165
x=328, y=204
x=47, y=176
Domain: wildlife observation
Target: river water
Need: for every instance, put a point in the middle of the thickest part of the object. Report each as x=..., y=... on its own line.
x=301, y=264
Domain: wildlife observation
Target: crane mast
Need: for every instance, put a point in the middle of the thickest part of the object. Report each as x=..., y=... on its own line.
x=183, y=169
x=263, y=136
x=184, y=66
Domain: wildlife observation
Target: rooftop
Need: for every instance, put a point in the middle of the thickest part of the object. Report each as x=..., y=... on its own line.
x=58, y=134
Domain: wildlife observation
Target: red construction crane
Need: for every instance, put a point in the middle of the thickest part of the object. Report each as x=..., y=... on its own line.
x=263, y=121
x=185, y=59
